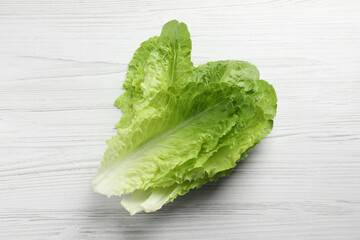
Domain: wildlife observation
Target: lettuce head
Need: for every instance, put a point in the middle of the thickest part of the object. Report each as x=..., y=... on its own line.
x=182, y=126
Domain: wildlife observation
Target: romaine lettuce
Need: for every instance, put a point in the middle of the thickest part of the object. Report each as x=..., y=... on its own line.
x=181, y=126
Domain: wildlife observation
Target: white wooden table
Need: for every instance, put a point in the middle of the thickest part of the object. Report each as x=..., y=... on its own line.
x=62, y=64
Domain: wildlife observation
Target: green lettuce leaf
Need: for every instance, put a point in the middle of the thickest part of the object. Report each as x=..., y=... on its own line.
x=195, y=116
x=159, y=63
x=181, y=126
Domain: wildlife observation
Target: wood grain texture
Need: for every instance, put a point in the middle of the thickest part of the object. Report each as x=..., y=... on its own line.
x=62, y=66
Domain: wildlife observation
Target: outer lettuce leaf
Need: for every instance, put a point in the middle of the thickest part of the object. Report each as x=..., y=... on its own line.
x=214, y=124
x=194, y=117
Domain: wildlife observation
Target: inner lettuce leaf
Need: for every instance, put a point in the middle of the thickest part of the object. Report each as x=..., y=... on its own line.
x=159, y=63
x=182, y=126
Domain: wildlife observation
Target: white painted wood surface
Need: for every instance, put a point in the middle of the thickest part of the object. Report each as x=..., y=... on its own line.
x=62, y=64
